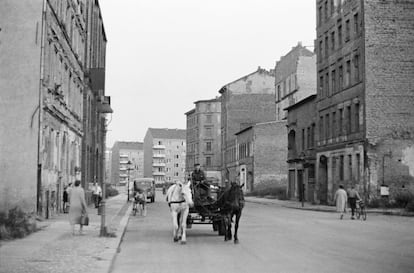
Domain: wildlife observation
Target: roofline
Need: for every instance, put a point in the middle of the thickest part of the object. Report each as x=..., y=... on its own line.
x=100, y=15
x=308, y=98
x=190, y=112
x=244, y=130
x=259, y=123
x=210, y=100
x=224, y=88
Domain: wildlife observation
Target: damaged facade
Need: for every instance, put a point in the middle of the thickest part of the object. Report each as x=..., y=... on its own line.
x=365, y=96
x=244, y=102
x=44, y=44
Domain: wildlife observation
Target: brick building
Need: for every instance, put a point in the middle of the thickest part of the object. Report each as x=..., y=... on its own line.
x=301, y=128
x=204, y=139
x=127, y=161
x=244, y=102
x=295, y=78
x=165, y=154
x=365, y=95
x=95, y=104
x=260, y=156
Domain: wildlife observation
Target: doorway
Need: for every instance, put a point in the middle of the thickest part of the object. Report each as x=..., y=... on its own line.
x=323, y=180
x=301, y=186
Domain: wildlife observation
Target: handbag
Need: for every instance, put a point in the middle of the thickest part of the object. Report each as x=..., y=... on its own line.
x=84, y=220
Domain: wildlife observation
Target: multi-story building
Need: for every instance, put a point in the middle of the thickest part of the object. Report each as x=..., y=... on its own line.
x=260, y=155
x=95, y=104
x=43, y=47
x=365, y=95
x=204, y=139
x=244, y=102
x=164, y=154
x=295, y=78
x=127, y=162
x=301, y=123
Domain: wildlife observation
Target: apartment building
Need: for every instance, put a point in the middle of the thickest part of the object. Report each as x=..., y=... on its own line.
x=127, y=162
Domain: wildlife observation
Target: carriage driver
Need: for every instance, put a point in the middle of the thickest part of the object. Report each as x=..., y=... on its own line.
x=199, y=178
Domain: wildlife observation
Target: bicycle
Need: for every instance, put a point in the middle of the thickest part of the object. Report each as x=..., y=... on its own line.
x=361, y=210
x=139, y=204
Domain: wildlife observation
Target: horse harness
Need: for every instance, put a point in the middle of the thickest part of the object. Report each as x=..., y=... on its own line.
x=176, y=202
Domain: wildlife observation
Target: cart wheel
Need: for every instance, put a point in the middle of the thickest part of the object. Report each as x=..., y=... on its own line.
x=215, y=225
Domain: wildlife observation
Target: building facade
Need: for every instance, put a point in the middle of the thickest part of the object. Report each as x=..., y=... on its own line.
x=301, y=128
x=365, y=96
x=165, y=154
x=95, y=104
x=204, y=139
x=244, y=102
x=43, y=42
x=127, y=162
x=260, y=155
x=295, y=78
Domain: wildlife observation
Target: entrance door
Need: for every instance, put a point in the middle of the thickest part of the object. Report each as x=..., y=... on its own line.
x=301, y=187
x=291, y=184
x=323, y=180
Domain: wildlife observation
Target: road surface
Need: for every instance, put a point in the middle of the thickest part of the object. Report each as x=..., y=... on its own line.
x=272, y=239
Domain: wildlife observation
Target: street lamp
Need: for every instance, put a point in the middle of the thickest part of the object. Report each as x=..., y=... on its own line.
x=128, y=169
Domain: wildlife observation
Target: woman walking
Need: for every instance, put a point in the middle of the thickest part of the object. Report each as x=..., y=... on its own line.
x=77, y=207
x=340, y=200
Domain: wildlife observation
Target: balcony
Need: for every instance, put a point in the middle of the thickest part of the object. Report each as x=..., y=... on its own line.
x=123, y=175
x=158, y=164
x=158, y=155
x=123, y=162
x=123, y=168
x=123, y=156
x=158, y=173
x=158, y=147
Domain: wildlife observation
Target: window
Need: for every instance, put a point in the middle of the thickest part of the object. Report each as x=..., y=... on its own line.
x=326, y=46
x=341, y=167
x=176, y=165
x=321, y=86
x=177, y=156
x=357, y=117
x=208, y=132
x=208, y=161
x=358, y=168
x=333, y=81
x=278, y=93
x=321, y=128
x=332, y=7
x=303, y=139
x=308, y=137
x=333, y=41
x=326, y=10
x=320, y=15
x=350, y=167
x=356, y=24
x=327, y=84
x=340, y=78
x=349, y=118
x=320, y=51
x=333, y=124
x=347, y=30
x=313, y=135
x=348, y=73
x=208, y=146
x=327, y=126
x=340, y=33
x=284, y=87
x=340, y=123
x=208, y=119
x=176, y=174
x=356, y=68
x=159, y=142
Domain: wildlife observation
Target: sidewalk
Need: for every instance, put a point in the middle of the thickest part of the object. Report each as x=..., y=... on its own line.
x=55, y=249
x=324, y=208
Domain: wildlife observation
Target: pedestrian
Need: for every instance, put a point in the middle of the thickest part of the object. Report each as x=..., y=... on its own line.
x=77, y=206
x=96, y=194
x=65, y=200
x=340, y=200
x=353, y=196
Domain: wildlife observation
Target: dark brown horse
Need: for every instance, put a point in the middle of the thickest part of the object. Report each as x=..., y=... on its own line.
x=232, y=205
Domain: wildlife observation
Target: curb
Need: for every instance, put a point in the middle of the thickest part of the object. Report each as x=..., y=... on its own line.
x=120, y=235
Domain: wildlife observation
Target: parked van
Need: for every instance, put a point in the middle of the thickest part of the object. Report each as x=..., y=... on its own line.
x=146, y=184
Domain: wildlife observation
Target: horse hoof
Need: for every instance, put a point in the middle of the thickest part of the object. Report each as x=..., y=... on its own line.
x=175, y=239
x=183, y=242
x=236, y=241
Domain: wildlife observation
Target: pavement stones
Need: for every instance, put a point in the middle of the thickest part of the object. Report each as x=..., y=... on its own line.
x=55, y=249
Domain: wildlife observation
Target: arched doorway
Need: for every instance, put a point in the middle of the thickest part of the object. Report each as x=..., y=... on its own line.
x=323, y=179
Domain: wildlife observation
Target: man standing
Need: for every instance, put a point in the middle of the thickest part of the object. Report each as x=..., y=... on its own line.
x=353, y=196
x=340, y=200
x=96, y=194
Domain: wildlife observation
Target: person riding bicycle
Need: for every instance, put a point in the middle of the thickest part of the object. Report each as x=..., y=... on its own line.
x=353, y=197
x=141, y=198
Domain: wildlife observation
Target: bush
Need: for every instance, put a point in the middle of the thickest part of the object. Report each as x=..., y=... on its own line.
x=374, y=203
x=16, y=224
x=111, y=192
x=403, y=198
x=410, y=206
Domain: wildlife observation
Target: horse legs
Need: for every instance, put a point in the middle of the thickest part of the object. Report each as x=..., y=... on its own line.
x=175, y=225
x=184, y=215
x=227, y=221
x=236, y=226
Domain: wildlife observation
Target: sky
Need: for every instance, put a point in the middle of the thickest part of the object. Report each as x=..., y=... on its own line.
x=162, y=55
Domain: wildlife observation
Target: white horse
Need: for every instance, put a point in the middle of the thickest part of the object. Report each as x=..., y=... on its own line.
x=180, y=199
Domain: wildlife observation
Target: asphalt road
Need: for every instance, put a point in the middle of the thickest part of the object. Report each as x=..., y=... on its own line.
x=272, y=239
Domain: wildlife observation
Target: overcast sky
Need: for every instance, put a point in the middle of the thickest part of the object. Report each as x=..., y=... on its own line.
x=162, y=55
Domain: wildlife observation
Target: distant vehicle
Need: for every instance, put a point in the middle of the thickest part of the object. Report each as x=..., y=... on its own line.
x=146, y=184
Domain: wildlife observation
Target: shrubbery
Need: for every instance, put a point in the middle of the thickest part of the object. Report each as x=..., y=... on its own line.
x=16, y=224
x=111, y=191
